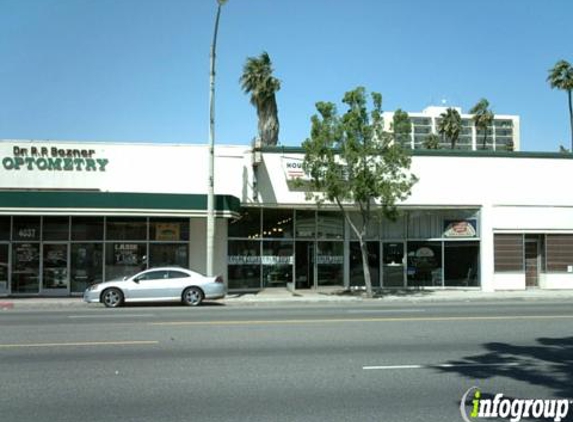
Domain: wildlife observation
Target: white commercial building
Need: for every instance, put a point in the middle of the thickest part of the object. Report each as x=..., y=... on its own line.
x=76, y=213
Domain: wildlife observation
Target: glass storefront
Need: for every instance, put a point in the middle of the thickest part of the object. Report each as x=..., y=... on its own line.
x=62, y=255
x=277, y=261
x=330, y=263
x=424, y=264
x=357, y=268
x=244, y=264
x=124, y=259
x=86, y=265
x=461, y=264
x=55, y=267
x=393, y=264
x=25, y=268
x=313, y=248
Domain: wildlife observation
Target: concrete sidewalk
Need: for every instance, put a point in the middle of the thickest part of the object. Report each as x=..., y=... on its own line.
x=323, y=295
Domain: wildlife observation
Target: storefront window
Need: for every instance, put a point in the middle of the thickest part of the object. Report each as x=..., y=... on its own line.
x=248, y=225
x=87, y=228
x=277, y=260
x=56, y=228
x=124, y=259
x=330, y=225
x=244, y=264
x=356, y=267
x=25, y=268
x=168, y=254
x=166, y=229
x=55, y=266
x=330, y=260
x=86, y=268
x=393, y=264
x=277, y=223
x=461, y=263
x=305, y=224
x=26, y=228
x=126, y=228
x=424, y=264
x=4, y=228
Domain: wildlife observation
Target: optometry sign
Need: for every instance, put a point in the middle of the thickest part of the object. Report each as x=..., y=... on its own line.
x=53, y=159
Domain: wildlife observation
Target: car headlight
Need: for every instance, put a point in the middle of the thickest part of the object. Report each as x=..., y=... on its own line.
x=92, y=287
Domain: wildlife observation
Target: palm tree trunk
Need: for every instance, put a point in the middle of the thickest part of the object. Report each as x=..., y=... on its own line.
x=268, y=122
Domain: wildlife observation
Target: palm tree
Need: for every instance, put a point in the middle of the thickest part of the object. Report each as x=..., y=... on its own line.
x=432, y=141
x=258, y=80
x=450, y=125
x=561, y=77
x=482, y=117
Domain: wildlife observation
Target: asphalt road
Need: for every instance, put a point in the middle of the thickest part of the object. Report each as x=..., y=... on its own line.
x=333, y=362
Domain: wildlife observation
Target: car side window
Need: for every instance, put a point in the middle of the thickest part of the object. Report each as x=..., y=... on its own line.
x=178, y=274
x=153, y=275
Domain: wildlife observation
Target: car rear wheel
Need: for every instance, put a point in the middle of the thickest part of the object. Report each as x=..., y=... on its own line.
x=192, y=296
x=112, y=298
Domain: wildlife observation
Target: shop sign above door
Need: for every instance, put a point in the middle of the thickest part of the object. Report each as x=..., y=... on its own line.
x=460, y=228
x=54, y=159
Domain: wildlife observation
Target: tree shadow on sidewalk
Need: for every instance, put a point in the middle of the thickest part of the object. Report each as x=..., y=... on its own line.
x=548, y=364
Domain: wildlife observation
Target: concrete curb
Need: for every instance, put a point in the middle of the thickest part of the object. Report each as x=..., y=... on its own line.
x=286, y=297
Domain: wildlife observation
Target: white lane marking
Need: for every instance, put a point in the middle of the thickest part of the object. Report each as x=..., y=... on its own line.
x=383, y=311
x=442, y=365
x=110, y=316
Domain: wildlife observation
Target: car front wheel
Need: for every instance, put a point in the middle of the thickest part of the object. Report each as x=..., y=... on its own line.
x=112, y=298
x=192, y=296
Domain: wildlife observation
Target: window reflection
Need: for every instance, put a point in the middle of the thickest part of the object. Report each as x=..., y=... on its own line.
x=244, y=264
x=330, y=262
x=87, y=265
x=277, y=261
x=124, y=259
x=424, y=264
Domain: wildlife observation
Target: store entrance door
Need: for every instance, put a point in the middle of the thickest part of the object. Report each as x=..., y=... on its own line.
x=532, y=264
x=55, y=273
x=304, y=265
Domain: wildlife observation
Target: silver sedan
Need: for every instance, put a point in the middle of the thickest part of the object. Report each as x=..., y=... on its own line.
x=158, y=285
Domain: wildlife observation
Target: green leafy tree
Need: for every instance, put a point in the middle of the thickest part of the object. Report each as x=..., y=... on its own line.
x=561, y=77
x=432, y=141
x=450, y=126
x=353, y=163
x=483, y=118
x=402, y=127
x=258, y=80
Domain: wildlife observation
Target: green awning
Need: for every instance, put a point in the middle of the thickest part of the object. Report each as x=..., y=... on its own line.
x=110, y=203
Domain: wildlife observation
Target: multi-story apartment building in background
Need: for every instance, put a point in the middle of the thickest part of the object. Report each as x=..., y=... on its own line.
x=502, y=135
